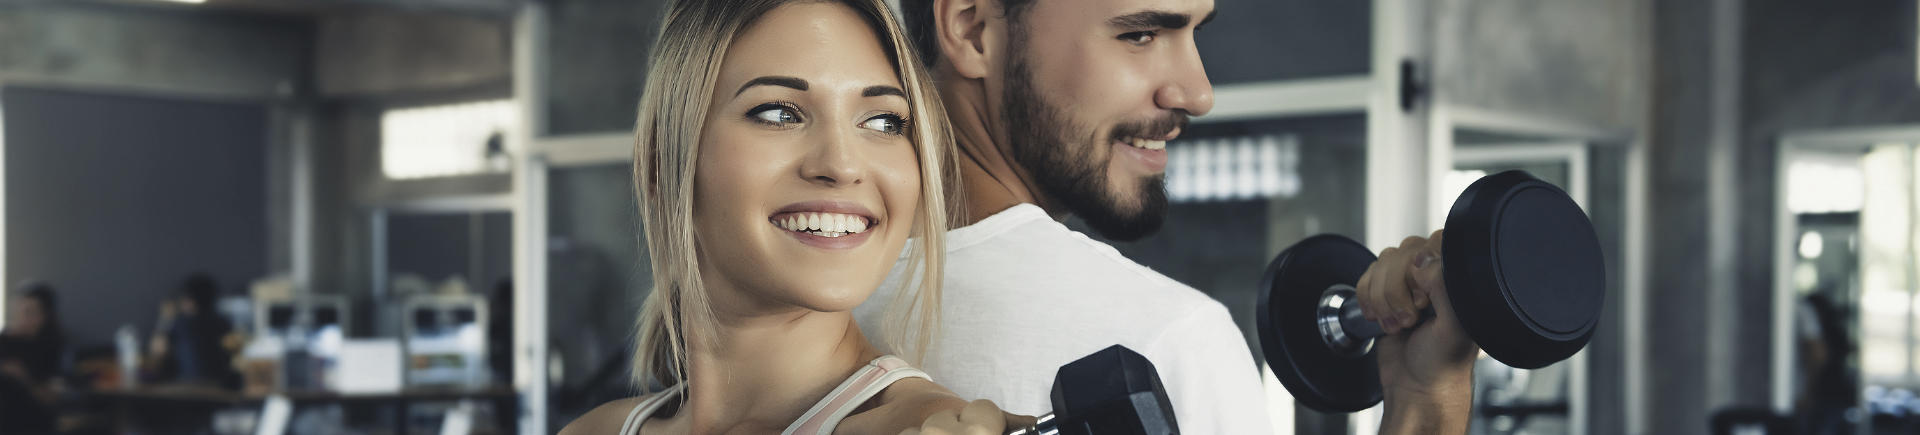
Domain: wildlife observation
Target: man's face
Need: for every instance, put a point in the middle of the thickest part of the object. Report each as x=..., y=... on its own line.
x=1093, y=90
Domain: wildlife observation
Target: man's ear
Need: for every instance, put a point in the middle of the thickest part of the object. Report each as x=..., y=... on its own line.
x=960, y=34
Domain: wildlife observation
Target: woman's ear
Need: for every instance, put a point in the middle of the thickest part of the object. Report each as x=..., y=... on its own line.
x=960, y=28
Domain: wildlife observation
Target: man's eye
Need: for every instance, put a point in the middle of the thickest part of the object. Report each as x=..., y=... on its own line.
x=1138, y=38
x=774, y=114
x=889, y=124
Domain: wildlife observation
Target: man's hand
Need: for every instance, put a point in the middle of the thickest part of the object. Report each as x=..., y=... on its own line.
x=1426, y=370
x=981, y=417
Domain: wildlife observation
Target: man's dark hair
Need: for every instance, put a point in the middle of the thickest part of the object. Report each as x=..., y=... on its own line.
x=920, y=28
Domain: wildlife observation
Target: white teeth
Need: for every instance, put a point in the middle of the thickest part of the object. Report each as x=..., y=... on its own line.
x=1147, y=144
x=823, y=224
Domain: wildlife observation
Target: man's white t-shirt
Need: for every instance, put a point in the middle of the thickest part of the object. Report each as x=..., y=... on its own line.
x=1024, y=295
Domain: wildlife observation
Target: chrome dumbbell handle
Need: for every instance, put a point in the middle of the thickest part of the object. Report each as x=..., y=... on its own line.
x=1044, y=426
x=1343, y=327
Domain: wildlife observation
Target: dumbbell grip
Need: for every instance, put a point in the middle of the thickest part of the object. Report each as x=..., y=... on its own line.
x=1045, y=425
x=1344, y=327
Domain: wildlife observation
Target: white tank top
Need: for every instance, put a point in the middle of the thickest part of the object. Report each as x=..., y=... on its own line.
x=824, y=416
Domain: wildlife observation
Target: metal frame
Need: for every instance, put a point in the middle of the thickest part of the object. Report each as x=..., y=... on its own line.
x=1291, y=98
x=8, y=284
x=585, y=149
x=299, y=134
x=1723, y=198
x=529, y=205
x=1396, y=144
x=450, y=204
x=1785, y=229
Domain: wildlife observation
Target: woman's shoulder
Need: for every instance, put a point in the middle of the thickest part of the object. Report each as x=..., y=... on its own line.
x=605, y=419
x=905, y=404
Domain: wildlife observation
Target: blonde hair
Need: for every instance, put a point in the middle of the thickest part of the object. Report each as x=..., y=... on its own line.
x=683, y=68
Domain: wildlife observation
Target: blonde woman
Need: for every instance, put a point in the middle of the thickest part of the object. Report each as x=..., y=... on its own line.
x=785, y=153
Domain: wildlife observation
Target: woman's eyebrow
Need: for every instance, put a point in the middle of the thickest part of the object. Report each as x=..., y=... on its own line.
x=882, y=90
x=783, y=81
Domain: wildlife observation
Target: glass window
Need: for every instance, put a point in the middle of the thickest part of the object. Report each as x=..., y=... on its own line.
x=439, y=141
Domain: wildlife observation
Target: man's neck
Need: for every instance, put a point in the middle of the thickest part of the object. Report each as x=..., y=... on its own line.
x=991, y=180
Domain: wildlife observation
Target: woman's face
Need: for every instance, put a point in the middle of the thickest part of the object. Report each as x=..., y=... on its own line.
x=807, y=183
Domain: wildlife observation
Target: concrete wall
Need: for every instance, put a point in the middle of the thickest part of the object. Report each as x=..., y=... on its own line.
x=597, y=62
x=1573, y=60
x=376, y=53
x=156, y=49
x=115, y=200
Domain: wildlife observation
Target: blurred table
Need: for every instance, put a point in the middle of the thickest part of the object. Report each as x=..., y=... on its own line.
x=124, y=404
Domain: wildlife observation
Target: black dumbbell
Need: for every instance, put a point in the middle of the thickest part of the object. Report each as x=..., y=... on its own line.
x=1113, y=391
x=1523, y=270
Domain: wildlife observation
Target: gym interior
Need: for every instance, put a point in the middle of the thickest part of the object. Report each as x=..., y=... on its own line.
x=418, y=216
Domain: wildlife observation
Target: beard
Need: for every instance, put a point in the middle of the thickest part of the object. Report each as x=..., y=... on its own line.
x=1060, y=156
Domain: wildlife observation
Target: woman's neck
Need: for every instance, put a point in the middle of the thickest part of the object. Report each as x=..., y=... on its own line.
x=761, y=371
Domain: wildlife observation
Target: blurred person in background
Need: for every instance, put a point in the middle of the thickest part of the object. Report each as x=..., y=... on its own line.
x=31, y=351
x=188, y=342
x=1827, y=386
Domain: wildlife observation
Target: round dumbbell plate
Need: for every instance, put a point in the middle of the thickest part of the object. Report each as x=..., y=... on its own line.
x=1524, y=269
x=1290, y=336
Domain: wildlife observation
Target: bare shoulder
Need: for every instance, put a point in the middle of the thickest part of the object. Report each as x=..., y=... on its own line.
x=605, y=419
x=903, y=405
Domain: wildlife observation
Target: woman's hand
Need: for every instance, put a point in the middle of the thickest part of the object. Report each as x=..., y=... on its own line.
x=981, y=417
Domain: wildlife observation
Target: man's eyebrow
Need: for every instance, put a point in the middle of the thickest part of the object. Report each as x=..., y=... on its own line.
x=783, y=81
x=883, y=90
x=1151, y=19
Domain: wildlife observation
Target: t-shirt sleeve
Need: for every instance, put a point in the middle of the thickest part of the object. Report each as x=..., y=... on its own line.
x=1209, y=374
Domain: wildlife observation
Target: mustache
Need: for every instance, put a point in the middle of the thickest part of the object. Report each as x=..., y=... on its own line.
x=1151, y=128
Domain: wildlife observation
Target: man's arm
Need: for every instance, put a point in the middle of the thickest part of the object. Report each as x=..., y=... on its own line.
x=1438, y=413
x=1426, y=368
x=1208, y=370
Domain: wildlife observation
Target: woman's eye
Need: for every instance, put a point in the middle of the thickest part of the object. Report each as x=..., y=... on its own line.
x=1138, y=38
x=774, y=114
x=889, y=124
